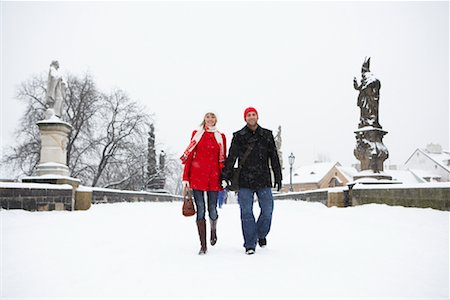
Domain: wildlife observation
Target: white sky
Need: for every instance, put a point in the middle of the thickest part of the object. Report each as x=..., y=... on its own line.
x=293, y=61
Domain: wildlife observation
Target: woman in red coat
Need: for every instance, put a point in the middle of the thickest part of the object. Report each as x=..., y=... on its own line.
x=203, y=162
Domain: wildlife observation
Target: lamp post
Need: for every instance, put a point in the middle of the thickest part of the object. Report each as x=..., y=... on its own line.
x=291, y=162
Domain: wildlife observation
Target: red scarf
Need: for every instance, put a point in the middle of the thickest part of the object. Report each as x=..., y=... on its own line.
x=196, y=138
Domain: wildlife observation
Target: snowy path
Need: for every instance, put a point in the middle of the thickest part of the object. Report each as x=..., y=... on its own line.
x=148, y=250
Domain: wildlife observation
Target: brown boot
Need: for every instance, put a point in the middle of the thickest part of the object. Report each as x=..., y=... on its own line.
x=213, y=231
x=201, y=226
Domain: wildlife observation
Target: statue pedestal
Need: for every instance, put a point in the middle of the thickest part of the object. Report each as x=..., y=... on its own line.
x=54, y=139
x=52, y=167
x=371, y=152
x=369, y=176
x=53, y=179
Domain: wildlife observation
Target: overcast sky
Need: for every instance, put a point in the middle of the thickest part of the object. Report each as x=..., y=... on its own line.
x=293, y=61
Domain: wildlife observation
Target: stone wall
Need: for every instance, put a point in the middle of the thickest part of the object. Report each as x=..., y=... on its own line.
x=310, y=196
x=437, y=197
x=36, y=197
x=433, y=195
x=100, y=195
x=46, y=197
x=338, y=198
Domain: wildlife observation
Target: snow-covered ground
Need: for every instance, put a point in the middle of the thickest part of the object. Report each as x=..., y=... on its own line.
x=149, y=250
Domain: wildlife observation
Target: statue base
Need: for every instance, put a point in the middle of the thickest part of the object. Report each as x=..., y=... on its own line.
x=54, y=140
x=369, y=176
x=53, y=167
x=370, y=150
x=53, y=179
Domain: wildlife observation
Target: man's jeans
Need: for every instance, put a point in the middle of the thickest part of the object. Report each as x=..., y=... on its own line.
x=199, y=197
x=252, y=230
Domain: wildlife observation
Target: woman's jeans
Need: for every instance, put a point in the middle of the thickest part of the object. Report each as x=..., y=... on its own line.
x=252, y=230
x=199, y=197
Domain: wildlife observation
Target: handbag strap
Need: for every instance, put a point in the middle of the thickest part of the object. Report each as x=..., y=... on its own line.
x=246, y=154
x=187, y=192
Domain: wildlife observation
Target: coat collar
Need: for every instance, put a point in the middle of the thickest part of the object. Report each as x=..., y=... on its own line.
x=246, y=130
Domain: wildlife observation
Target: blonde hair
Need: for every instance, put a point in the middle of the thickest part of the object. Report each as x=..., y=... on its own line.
x=208, y=113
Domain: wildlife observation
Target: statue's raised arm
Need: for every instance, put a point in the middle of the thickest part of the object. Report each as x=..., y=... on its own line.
x=355, y=84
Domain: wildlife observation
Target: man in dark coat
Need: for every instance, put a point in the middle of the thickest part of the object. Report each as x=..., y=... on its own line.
x=255, y=177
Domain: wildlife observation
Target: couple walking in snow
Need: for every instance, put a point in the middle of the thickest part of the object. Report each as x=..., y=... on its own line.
x=207, y=170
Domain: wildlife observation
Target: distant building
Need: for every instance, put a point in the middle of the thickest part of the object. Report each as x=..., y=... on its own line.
x=331, y=174
x=432, y=164
x=318, y=176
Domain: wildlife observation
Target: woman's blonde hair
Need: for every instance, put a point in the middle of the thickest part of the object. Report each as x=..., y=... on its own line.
x=209, y=113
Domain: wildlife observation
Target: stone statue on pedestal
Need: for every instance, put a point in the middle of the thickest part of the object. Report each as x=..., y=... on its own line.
x=369, y=150
x=54, y=134
x=152, y=170
x=155, y=174
x=162, y=167
x=56, y=91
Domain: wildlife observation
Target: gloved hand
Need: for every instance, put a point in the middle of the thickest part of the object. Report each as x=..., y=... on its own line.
x=185, y=184
x=225, y=183
x=277, y=185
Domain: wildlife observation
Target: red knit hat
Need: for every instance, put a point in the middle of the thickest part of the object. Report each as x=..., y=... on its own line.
x=249, y=109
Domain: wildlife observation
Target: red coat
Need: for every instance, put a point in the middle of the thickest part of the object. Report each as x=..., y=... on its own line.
x=202, y=168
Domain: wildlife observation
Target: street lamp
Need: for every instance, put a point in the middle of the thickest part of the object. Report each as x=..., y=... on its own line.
x=291, y=162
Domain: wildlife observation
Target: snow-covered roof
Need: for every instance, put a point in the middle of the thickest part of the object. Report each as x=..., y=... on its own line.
x=425, y=173
x=442, y=158
x=405, y=176
x=308, y=174
x=348, y=172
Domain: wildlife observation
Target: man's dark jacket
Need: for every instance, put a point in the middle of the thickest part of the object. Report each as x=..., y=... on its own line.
x=255, y=173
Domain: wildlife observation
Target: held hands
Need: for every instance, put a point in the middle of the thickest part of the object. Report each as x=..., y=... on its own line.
x=225, y=183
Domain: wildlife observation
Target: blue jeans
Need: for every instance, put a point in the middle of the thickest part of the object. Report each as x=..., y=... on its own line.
x=221, y=198
x=252, y=230
x=199, y=198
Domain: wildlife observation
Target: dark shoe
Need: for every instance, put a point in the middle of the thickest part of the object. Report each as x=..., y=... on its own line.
x=201, y=226
x=213, y=232
x=249, y=251
x=262, y=242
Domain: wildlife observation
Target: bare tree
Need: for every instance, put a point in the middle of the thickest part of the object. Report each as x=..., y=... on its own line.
x=24, y=157
x=174, y=172
x=127, y=172
x=105, y=124
x=80, y=108
x=122, y=123
x=107, y=145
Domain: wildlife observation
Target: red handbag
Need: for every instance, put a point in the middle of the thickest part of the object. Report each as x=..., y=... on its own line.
x=188, y=204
